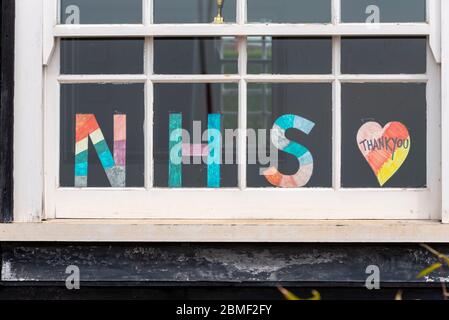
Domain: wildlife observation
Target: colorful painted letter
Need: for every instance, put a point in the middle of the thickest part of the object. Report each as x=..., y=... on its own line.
x=214, y=144
x=115, y=167
x=305, y=158
x=385, y=149
x=177, y=150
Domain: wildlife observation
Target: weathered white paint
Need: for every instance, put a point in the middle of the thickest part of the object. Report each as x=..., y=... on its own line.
x=49, y=16
x=242, y=100
x=434, y=19
x=147, y=12
x=120, y=78
x=336, y=12
x=241, y=12
x=254, y=29
x=228, y=231
x=234, y=203
x=149, y=112
x=250, y=78
x=201, y=203
x=434, y=133
x=28, y=131
x=246, y=204
x=336, y=110
x=445, y=109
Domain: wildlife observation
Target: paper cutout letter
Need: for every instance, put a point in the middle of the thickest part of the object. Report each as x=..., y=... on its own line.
x=385, y=149
x=175, y=151
x=115, y=167
x=214, y=144
x=178, y=149
x=195, y=150
x=305, y=158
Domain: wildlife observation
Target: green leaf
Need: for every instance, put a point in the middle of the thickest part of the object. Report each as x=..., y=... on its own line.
x=429, y=270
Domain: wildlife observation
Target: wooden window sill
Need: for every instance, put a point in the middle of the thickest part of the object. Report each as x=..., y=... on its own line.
x=289, y=231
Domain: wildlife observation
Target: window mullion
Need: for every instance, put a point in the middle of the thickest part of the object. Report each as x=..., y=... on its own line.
x=336, y=100
x=149, y=112
x=241, y=11
x=242, y=114
x=147, y=12
x=336, y=12
x=149, y=96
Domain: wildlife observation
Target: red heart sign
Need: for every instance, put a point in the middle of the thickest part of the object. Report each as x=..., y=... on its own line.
x=385, y=149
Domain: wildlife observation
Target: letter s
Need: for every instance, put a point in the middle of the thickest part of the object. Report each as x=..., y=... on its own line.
x=305, y=158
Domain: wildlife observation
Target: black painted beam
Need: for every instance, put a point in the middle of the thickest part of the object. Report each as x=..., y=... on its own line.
x=230, y=264
x=7, y=24
x=260, y=293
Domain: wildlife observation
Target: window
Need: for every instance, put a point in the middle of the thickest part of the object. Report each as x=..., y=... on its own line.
x=303, y=109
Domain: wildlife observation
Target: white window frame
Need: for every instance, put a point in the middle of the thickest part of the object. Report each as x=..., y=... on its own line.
x=36, y=158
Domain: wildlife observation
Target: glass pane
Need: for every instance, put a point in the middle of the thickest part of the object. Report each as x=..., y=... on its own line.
x=289, y=11
x=384, y=135
x=289, y=55
x=195, y=55
x=383, y=55
x=301, y=116
x=102, y=137
x=101, y=11
x=102, y=56
x=192, y=11
x=195, y=159
x=383, y=10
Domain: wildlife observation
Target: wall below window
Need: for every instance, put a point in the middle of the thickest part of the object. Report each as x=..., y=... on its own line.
x=192, y=270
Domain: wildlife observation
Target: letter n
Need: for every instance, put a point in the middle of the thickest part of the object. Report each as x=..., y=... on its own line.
x=114, y=166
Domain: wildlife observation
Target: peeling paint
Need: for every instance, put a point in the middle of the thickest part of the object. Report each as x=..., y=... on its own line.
x=7, y=273
x=265, y=261
x=198, y=263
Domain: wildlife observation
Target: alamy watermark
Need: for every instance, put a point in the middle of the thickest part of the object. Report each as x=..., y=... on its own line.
x=197, y=148
x=372, y=282
x=73, y=281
